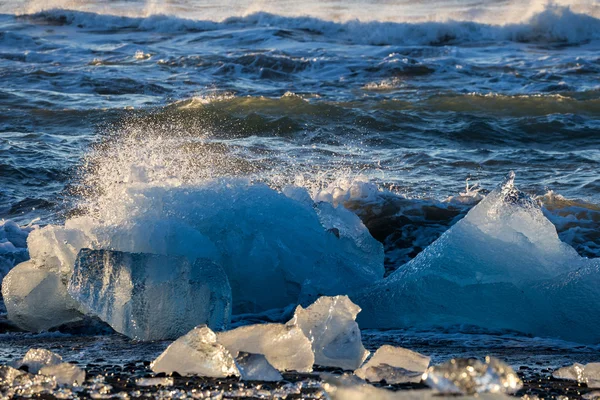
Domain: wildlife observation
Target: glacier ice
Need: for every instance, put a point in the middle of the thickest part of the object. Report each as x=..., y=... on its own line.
x=261, y=237
x=501, y=267
x=197, y=353
x=36, y=298
x=329, y=323
x=36, y=359
x=588, y=374
x=470, y=376
x=149, y=296
x=255, y=367
x=394, y=365
x=64, y=373
x=284, y=346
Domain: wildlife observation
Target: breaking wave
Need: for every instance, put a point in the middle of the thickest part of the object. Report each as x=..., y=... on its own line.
x=554, y=25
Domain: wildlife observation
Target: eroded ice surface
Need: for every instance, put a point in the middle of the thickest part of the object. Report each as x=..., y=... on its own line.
x=329, y=323
x=588, y=374
x=197, y=353
x=36, y=298
x=255, y=367
x=470, y=376
x=150, y=296
x=501, y=267
x=394, y=365
x=284, y=346
x=64, y=373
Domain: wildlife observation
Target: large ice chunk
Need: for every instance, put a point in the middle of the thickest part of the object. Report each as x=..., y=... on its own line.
x=255, y=367
x=470, y=376
x=284, y=346
x=36, y=298
x=197, y=353
x=394, y=365
x=149, y=296
x=329, y=323
x=501, y=267
x=588, y=374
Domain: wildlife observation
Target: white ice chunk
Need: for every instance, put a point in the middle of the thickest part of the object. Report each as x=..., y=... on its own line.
x=255, y=367
x=501, y=267
x=329, y=323
x=588, y=374
x=470, y=376
x=149, y=296
x=56, y=247
x=36, y=298
x=64, y=374
x=197, y=353
x=36, y=359
x=157, y=381
x=394, y=365
x=285, y=347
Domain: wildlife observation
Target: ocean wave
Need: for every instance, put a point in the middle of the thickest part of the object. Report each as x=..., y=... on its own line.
x=553, y=25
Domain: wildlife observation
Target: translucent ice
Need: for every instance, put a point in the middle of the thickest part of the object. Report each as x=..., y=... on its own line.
x=262, y=239
x=64, y=373
x=470, y=376
x=394, y=365
x=501, y=267
x=36, y=298
x=149, y=296
x=284, y=346
x=36, y=359
x=329, y=323
x=588, y=374
x=255, y=367
x=197, y=353
x=349, y=387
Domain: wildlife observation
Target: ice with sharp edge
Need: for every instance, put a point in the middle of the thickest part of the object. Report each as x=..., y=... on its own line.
x=255, y=367
x=197, y=353
x=503, y=266
x=285, y=347
x=329, y=323
x=394, y=365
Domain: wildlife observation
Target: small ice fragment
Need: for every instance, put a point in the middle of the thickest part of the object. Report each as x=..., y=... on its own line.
x=394, y=365
x=350, y=387
x=164, y=381
x=588, y=374
x=149, y=296
x=36, y=298
x=8, y=375
x=592, y=395
x=197, y=353
x=284, y=346
x=470, y=376
x=64, y=374
x=36, y=359
x=329, y=323
x=27, y=385
x=255, y=367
